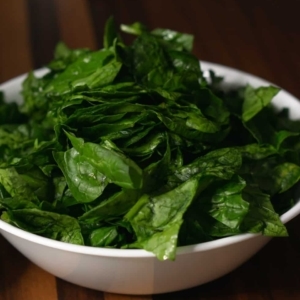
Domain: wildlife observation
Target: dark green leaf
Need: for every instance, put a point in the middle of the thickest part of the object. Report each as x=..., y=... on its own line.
x=256, y=100
x=136, y=28
x=116, y=166
x=103, y=237
x=285, y=176
x=55, y=226
x=84, y=180
x=110, y=33
x=261, y=216
x=176, y=40
x=156, y=220
x=227, y=205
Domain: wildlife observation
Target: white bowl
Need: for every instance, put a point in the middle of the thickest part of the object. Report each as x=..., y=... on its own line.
x=138, y=271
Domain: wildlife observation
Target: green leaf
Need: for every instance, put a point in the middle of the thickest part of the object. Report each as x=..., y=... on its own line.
x=261, y=216
x=16, y=203
x=176, y=40
x=256, y=100
x=148, y=146
x=84, y=180
x=136, y=28
x=79, y=71
x=28, y=185
x=265, y=132
x=256, y=151
x=63, y=56
x=149, y=56
x=103, y=237
x=35, y=102
x=221, y=163
x=158, y=219
x=212, y=106
x=117, y=205
x=9, y=114
x=117, y=167
x=48, y=224
x=285, y=176
x=227, y=205
x=110, y=33
x=101, y=77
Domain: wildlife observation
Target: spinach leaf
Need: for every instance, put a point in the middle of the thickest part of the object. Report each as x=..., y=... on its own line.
x=156, y=220
x=63, y=56
x=149, y=61
x=10, y=114
x=261, y=216
x=103, y=237
x=35, y=103
x=256, y=99
x=74, y=74
x=116, y=166
x=27, y=185
x=175, y=40
x=115, y=206
x=221, y=163
x=285, y=176
x=110, y=34
x=55, y=226
x=136, y=28
x=227, y=205
x=84, y=180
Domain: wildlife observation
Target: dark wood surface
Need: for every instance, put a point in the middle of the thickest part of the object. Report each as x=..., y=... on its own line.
x=258, y=36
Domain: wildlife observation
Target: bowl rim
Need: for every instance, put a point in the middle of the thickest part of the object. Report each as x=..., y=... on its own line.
x=140, y=253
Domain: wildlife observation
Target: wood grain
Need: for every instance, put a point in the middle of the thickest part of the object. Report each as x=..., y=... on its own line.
x=109, y=296
x=44, y=30
x=258, y=36
x=75, y=24
x=22, y=280
x=66, y=291
x=15, y=50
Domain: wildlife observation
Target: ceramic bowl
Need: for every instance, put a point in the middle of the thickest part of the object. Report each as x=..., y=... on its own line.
x=138, y=271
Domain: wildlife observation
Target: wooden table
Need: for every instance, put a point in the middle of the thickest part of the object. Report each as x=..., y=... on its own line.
x=258, y=36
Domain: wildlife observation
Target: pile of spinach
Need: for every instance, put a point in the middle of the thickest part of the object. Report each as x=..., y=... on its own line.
x=132, y=147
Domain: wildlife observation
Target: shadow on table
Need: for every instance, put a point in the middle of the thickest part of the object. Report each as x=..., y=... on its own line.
x=12, y=265
x=67, y=290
